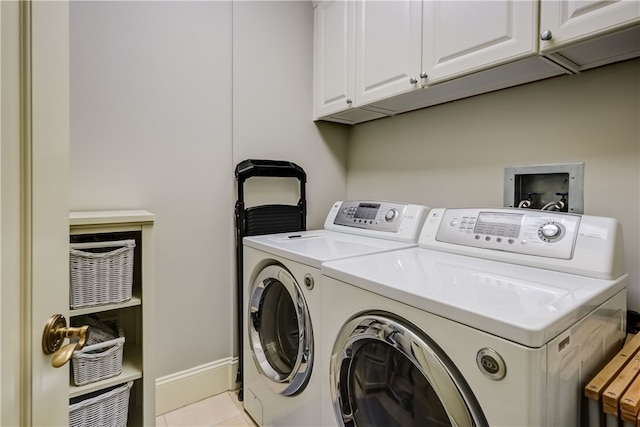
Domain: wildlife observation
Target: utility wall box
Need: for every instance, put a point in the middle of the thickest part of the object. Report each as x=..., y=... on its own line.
x=543, y=185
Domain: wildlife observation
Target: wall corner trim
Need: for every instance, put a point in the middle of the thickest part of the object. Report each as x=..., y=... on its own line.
x=183, y=388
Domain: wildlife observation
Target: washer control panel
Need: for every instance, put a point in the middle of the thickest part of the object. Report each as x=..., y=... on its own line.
x=522, y=231
x=372, y=215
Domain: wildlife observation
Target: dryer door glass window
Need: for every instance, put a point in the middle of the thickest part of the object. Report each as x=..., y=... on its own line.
x=389, y=390
x=280, y=331
x=387, y=374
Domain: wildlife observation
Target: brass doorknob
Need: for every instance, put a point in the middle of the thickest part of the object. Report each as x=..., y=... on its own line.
x=55, y=331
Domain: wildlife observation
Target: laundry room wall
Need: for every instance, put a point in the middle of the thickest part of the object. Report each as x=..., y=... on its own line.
x=272, y=93
x=166, y=98
x=454, y=155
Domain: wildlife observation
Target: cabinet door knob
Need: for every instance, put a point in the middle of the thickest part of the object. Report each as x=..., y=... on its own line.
x=546, y=35
x=424, y=75
x=349, y=101
x=413, y=80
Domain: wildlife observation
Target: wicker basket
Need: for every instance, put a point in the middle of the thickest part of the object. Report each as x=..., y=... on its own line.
x=90, y=364
x=101, y=272
x=108, y=408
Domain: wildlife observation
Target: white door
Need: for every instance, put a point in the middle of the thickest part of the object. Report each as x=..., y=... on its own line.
x=568, y=22
x=334, y=61
x=460, y=37
x=34, y=207
x=388, y=45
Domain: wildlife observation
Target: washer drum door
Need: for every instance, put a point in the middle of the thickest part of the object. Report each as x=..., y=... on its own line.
x=280, y=332
x=384, y=372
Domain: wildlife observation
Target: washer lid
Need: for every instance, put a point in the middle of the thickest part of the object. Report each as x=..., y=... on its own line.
x=315, y=247
x=526, y=305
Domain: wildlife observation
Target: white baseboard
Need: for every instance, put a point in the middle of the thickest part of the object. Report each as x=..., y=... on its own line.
x=183, y=388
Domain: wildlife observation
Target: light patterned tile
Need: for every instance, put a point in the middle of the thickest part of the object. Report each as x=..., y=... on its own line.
x=249, y=420
x=208, y=412
x=234, y=396
x=238, y=421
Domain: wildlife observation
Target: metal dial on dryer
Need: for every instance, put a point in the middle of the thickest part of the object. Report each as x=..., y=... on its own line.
x=391, y=215
x=550, y=231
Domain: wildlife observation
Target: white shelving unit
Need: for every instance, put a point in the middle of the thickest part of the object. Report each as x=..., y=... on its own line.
x=136, y=315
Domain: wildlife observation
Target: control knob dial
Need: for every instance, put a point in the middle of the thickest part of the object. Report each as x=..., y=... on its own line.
x=391, y=215
x=550, y=231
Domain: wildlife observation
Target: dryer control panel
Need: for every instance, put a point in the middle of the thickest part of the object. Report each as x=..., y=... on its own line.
x=527, y=232
x=581, y=244
x=388, y=220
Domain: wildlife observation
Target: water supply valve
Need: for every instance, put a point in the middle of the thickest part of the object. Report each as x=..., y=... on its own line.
x=558, y=205
x=528, y=200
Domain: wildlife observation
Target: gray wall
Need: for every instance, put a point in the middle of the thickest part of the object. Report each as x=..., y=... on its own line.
x=454, y=155
x=166, y=98
x=272, y=92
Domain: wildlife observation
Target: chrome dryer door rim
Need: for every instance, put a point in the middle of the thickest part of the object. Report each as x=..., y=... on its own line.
x=293, y=375
x=460, y=405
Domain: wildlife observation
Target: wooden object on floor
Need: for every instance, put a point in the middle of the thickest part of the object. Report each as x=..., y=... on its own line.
x=630, y=402
x=611, y=398
x=595, y=388
x=615, y=390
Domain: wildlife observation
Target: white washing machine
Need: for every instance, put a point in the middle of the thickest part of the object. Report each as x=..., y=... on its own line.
x=282, y=284
x=499, y=318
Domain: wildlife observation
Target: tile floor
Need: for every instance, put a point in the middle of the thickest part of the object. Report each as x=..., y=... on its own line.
x=223, y=409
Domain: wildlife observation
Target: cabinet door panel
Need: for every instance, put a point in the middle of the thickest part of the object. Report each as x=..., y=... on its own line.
x=388, y=43
x=334, y=44
x=465, y=36
x=573, y=21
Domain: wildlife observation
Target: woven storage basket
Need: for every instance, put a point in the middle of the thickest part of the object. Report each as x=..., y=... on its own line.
x=109, y=408
x=91, y=364
x=101, y=272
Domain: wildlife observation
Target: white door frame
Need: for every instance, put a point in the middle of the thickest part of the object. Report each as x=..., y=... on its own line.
x=34, y=207
x=10, y=131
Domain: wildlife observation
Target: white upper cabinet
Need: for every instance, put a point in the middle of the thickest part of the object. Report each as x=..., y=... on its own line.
x=388, y=48
x=587, y=34
x=572, y=21
x=334, y=64
x=372, y=55
x=460, y=37
x=377, y=58
x=334, y=58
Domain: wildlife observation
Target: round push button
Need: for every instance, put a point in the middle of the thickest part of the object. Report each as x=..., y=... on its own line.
x=491, y=364
x=308, y=281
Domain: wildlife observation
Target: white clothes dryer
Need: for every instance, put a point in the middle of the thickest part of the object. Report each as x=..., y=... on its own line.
x=499, y=318
x=282, y=283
